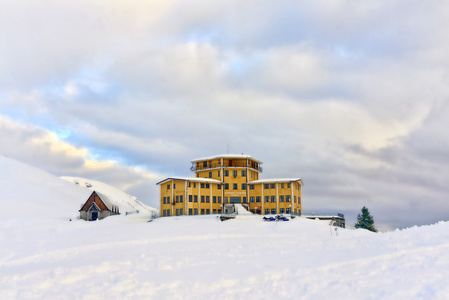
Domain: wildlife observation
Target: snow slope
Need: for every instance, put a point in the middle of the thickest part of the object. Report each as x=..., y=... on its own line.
x=125, y=257
x=127, y=203
x=29, y=193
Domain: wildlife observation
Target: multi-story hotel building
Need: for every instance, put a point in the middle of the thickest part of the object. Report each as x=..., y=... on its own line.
x=226, y=179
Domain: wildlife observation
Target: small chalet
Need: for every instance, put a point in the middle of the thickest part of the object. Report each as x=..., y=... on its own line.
x=98, y=207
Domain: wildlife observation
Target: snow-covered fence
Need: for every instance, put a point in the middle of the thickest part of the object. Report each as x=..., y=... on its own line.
x=132, y=212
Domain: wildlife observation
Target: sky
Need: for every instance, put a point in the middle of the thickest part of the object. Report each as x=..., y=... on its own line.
x=350, y=96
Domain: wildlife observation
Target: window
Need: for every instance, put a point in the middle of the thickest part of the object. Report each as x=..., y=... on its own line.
x=273, y=186
x=180, y=198
x=190, y=198
x=226, y=173
x=202, y=199
x=266, y=186
x=214, y=199
x=174, y=185
x=288, y=185
x=164, y=213
x=204, y=164
x=253, y=211
x=181, y=212
x=243, y=186
x=234, y=173
x=207, y=199
x=219, y=199
x=202, y=211
x=244, y=200
x=177, y=212
x=207, y=211
x=299, y=200
x=164, y=200
x=287, y=210
x=168, y=186
x=202, y=185
x=273, y=199
x=251, y=186
x=210, y=174
x=194, y=184
x=190, y=211
x=214, y=211
x=195, y=198
x=225, y=200
x=282, y=185
x=168, y=213
x=267, y=211
x=197, y=174
x=195, y=211
x=226, y=186
x=281, y=210
x=177, y=199
x=207, y=185
x=273, y=211
x=251, y=199
x=234, y=186
x=219, y=186
x=281, y=198
x=168, y=200
x=267, y=199
x=258, y=199
x=218, y=173
x=219, y=211
x=243, y=173
x=189, y=183
x=287, y=198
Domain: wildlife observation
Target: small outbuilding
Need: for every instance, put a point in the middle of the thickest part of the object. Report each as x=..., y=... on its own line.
x=98, y=207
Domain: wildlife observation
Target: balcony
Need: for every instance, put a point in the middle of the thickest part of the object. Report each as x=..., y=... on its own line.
x=233, y=164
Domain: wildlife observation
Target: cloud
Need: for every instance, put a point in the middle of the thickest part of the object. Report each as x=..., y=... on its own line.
x=43, y=149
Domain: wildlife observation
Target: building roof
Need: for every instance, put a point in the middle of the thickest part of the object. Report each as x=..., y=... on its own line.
x=193, y=179
x=227, y=156
x=105, y=200
x=277, y=180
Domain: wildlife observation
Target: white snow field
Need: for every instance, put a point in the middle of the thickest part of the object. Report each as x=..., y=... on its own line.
x=44, y=255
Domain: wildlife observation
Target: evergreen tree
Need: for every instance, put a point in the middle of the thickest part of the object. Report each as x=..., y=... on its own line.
x=365, y=220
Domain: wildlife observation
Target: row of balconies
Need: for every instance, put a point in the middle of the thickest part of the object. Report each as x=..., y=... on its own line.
x=243, y=164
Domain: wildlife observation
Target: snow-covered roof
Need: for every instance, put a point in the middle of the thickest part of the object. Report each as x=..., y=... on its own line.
x=277, y=180
x=105, y=200
x=195, y=179
x=227, y=156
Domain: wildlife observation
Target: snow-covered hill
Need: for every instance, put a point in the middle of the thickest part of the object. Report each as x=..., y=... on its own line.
x=29, y=193
x=44, y=255
x=127, y=203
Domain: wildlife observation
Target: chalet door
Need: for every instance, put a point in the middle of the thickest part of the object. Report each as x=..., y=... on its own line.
x=94, y=216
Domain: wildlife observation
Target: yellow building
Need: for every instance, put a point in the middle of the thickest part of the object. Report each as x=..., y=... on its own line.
x=226, y=179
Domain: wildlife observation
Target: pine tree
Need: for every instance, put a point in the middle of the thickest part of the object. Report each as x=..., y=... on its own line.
x=365, y=220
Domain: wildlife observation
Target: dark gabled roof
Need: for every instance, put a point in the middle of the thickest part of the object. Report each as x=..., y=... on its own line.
x=103, y=198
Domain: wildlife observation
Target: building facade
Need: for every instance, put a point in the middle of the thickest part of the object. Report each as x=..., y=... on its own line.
x=226, y=179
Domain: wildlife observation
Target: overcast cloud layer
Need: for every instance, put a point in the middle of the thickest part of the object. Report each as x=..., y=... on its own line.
x=351, y=96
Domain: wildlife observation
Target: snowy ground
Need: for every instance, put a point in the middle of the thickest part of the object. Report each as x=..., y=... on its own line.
x=203, y=258
x=44, y=255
